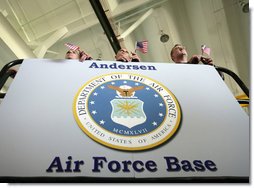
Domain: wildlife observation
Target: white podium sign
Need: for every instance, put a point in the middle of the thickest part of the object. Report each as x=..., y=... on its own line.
x=107, y=119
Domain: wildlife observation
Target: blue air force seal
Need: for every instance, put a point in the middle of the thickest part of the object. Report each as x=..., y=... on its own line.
x=126, y=111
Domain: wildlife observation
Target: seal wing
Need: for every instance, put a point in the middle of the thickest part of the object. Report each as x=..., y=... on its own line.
x=117, y=89
x=131, y=90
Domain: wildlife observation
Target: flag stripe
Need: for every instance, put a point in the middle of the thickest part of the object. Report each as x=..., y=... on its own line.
x=71, y=46
x=206, y=51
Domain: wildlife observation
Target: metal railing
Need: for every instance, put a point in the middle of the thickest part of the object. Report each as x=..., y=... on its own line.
x=6, y=72
x=240, y=83
x=235, y=77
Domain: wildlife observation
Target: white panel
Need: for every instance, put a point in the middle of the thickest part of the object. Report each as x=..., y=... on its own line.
x=37, y=123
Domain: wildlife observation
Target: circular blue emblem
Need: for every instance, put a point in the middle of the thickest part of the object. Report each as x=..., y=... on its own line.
x=126, y=111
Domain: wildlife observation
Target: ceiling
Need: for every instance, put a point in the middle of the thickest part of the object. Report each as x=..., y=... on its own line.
x=39, y=29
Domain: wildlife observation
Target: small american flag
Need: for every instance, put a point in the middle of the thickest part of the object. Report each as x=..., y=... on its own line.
x=142, y=46
x=71, y=46
x=205, y=50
